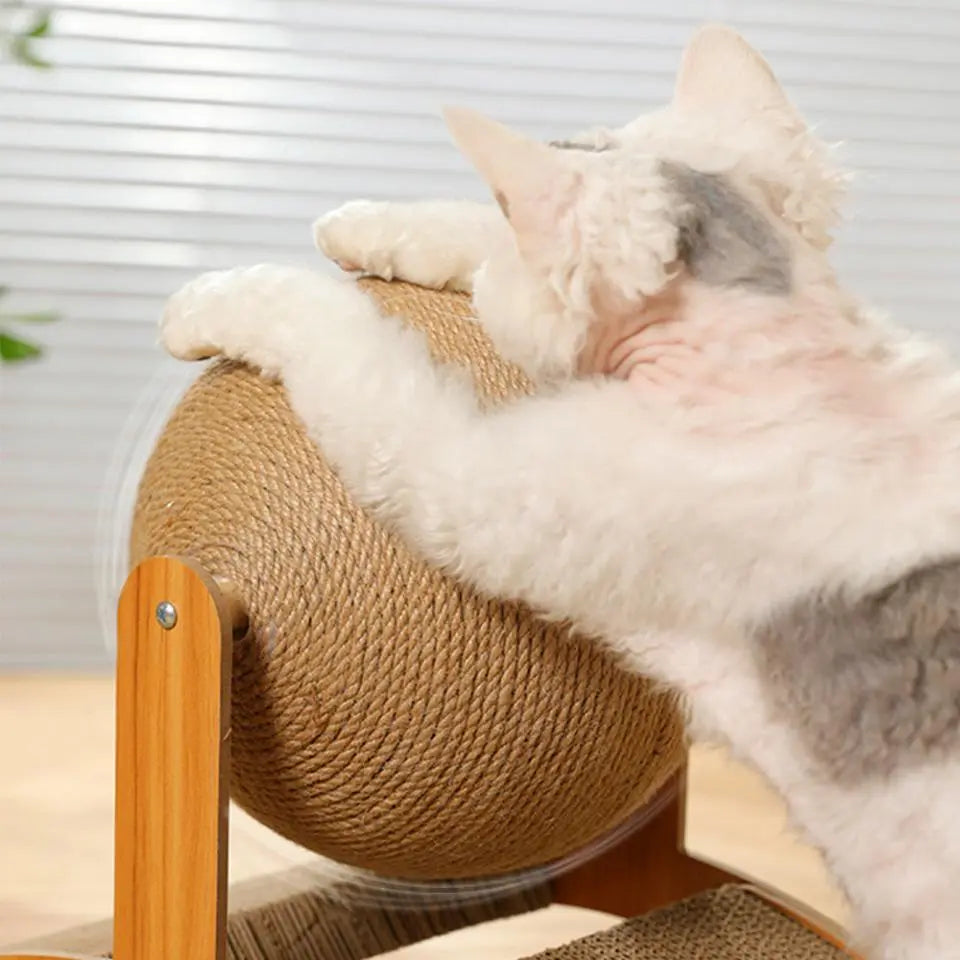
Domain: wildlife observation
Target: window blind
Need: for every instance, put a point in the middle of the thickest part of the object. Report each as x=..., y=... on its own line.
x=172, y=137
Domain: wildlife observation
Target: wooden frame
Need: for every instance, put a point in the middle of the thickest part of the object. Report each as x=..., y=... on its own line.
x=616, y=882
x=174, y=628
x=173, y=723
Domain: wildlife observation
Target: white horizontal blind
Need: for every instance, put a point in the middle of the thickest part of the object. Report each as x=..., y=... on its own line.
x=173, y=137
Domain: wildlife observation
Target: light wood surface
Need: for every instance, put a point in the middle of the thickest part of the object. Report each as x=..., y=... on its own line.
x=735, y=820
x=56, y=814
x=171, y=768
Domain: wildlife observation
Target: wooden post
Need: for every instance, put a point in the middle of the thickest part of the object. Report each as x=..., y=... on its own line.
x=173, y=723
x=649, y=869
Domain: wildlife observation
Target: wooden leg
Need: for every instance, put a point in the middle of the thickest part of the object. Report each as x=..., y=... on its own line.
x=173, y=703
x=649, y=869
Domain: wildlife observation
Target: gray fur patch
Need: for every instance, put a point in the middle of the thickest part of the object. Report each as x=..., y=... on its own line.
x=873, y=684
x=723, y=240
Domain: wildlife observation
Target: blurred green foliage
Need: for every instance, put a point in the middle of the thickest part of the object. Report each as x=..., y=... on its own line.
x=12, y=347
x=18, y=36
x=20, y=42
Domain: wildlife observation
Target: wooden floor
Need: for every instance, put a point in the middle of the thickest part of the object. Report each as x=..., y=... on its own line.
x=56, y=786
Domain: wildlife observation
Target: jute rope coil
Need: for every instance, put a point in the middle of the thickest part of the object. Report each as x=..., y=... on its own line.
x=383, y=715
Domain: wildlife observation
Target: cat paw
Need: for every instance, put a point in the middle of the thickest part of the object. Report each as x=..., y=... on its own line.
x=267, y=316
x=187, y=322
x=394, y=242
x=360, y=236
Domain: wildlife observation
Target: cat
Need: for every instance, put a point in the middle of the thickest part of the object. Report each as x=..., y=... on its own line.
x=735, y=475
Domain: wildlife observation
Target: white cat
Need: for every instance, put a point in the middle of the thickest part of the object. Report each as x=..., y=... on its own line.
x=734, y=476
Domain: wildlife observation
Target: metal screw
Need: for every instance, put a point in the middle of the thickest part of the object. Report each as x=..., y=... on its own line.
x=166, y=614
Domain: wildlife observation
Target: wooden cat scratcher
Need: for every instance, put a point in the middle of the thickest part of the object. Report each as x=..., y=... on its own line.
x=276, y=645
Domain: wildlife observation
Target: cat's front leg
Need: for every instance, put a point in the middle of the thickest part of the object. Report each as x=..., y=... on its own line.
x=494, y=498
x=269, y=316
x=439, y=244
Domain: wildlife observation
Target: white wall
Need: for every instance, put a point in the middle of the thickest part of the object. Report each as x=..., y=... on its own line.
x=173, y=137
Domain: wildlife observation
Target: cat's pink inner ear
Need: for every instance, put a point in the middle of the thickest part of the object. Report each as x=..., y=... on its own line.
x=719, y=68
x=532, y=182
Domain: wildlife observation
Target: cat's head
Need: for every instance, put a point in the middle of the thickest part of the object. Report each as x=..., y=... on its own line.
x=726, y=186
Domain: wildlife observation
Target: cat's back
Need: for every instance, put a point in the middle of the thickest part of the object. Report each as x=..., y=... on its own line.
x=870, y=683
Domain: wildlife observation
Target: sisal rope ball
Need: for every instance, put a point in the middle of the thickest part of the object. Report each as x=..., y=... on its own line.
x=382, y=714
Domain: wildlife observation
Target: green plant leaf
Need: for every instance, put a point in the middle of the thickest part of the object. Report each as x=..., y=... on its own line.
x=13, y=349
x=22, y=51
x=40, y=316
x=41, y=25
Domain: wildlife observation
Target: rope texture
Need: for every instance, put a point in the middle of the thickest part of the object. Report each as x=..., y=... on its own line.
x=383, y=715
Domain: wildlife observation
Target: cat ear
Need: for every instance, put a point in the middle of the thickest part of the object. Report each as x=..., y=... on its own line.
x=719, y=69
x=532, y=182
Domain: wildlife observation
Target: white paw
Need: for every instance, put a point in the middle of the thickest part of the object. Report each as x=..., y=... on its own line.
x=361, y=235
x=186, y=325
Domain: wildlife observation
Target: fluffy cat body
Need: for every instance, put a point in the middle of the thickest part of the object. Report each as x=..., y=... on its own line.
x=735, y=476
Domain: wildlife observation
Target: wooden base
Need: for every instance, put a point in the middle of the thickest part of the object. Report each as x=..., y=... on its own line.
x=173, y=703
x=649, y=869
